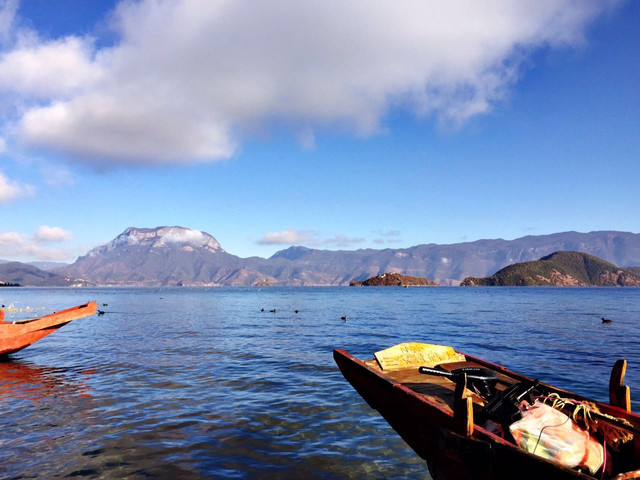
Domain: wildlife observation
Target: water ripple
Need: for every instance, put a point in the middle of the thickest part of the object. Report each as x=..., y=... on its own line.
x=199, y=383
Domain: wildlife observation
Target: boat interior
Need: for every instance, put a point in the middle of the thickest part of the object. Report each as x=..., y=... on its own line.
x=489, y=399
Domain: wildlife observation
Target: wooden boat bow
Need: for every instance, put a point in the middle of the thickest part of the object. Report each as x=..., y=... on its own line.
x=19, y=334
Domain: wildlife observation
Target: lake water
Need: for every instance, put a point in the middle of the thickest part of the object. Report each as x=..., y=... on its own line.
x=199, y=383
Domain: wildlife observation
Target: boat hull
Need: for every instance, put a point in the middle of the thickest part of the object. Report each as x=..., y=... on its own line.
x=429, y=429
x=17, y=335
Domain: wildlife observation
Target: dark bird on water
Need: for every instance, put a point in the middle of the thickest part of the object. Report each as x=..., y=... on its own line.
x=262, y=309
x=344, y=317
x=100, y=312
x=105, y=304
x=606, y=320
x=297, y=311
x=273, y=311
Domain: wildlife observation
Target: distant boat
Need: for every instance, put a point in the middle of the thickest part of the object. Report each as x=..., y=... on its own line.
x=14, y=336
x=466, y=417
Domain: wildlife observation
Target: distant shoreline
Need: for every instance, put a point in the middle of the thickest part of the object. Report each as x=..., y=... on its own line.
x=386, y=287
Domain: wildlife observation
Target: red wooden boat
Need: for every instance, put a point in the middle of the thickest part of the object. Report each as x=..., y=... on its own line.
x=15, y=336
x=434, y=413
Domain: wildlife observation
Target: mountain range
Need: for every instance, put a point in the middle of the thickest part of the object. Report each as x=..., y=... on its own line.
x=41, y=265
x=26, y=274
x=180, y=256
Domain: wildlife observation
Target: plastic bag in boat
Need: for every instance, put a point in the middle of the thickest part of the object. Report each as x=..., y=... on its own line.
x=549, y=433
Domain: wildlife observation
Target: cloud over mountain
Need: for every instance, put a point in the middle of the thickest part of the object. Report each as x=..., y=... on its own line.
x=189, y=81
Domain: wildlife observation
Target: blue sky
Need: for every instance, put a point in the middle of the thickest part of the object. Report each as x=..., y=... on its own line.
x=315, y=123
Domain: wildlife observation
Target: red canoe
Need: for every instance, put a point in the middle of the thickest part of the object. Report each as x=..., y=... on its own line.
x=15, y=336
x=461, y=414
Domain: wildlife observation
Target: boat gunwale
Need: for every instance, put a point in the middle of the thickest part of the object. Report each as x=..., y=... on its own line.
x=56, y=316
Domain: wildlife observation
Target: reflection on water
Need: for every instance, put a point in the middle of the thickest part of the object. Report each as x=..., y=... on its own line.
x=42, y=409
x=22, y=380
x=199, y=383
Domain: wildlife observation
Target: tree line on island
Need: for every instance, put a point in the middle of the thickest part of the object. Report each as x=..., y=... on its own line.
x=575, y=269
x=394, y=280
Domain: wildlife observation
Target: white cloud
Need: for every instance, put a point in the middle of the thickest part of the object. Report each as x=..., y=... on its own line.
x=290, y=236
x=47, y=234
x=342, y=241
x=187, y=81
x=10, y=238
x=124, y=240
x=18, y=246
x=183, y=236
x=112, y=126
x=10, y=190
x=389, y=236
x=48, y=69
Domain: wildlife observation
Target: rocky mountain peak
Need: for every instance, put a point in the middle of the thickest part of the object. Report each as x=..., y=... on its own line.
x=292, y=253
x=179, y=238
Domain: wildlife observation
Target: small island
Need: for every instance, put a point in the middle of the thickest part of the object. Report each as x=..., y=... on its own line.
x=561, y=269
x=394, y=280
